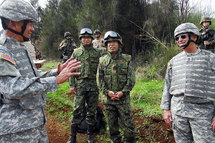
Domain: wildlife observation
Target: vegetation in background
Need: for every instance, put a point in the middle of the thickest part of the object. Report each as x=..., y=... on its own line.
x=137, y=21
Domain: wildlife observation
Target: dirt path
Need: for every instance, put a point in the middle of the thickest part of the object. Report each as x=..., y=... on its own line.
x=150, y=129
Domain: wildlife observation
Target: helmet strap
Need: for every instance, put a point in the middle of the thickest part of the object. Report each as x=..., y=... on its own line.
x=22, y=32
x=188, y=43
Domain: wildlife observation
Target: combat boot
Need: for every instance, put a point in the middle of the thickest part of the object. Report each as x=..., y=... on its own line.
x=90, y=134
x=73, y=133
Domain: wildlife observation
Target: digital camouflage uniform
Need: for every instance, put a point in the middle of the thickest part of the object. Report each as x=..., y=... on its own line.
x=23, y=93
x=85, y=84
x=98, y=43
x=189, y=94
x=22, y=86
x=68, y=50
x=116, y=74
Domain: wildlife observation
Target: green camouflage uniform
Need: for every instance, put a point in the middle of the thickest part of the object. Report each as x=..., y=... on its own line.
x=68, y=50
x=116, y=74
x=85, y=84
x=211, y=39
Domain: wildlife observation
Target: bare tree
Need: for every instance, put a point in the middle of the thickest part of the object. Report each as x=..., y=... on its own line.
x=184, y=10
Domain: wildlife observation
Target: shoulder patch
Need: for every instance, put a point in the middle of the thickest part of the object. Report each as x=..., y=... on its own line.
x=7, y=58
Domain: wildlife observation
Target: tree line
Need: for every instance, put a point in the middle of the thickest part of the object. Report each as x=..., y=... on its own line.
x=143, y=24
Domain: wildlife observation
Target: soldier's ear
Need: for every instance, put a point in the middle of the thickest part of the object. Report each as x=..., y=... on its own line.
x=194, y=37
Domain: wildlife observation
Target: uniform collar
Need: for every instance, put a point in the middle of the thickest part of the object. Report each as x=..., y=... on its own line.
x=13, y=41
x=195, y=53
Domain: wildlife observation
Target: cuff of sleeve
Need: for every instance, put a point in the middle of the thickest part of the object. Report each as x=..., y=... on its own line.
x=54, y=72
x=51, y=83
x=125, y=92
x=105, y=92
x=165, y=107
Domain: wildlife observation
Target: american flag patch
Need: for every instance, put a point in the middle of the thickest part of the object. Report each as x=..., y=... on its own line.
x=7, y=58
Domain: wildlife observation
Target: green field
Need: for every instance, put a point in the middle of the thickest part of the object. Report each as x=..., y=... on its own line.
x=146, y=96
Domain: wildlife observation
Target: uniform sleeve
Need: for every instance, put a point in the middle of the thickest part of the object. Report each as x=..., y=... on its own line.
x=166, y=99
x=72, y=80
x=15, y=86
x=212, y=39
x=52, y=72
x=100, y=80
x=130, y=80
x=59, y=47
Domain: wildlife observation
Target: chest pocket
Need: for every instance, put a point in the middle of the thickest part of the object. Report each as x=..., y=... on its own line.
x=94, y=61
x=122, y=74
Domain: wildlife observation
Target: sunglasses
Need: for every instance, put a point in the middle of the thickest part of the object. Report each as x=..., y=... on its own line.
x=111, y=34
x=183, y=36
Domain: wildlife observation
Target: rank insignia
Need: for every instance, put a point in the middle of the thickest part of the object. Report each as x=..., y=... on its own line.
x=7, y=58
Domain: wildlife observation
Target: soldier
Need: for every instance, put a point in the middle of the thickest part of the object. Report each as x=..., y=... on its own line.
x=116, y=78
x=67, y=46
x=22, y=87
x=189, y=89
x=84, y=86
x=207, y=35
x=98, y=42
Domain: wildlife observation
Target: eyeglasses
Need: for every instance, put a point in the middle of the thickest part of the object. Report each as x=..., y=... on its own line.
x=111, y=34
x=183, y=36
x=86, y=31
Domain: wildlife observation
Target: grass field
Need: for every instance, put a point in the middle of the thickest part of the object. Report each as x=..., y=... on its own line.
x=146, y=96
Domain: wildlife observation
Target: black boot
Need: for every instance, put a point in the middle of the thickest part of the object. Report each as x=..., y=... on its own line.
x=73, y=134
x=90, y=134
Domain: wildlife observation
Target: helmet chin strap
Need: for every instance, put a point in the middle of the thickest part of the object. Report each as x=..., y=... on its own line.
x=22, y=32
x=188, y=43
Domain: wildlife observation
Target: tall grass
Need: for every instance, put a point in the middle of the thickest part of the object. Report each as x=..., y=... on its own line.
x=155, y=65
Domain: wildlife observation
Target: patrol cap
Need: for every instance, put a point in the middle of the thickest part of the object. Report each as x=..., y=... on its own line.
x=86, y=32
x=18, y=10
x=112, y=36
x=186, y=28
x=205, y=19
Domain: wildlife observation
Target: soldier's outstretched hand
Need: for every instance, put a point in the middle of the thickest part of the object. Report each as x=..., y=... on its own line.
x=68, y=62
x=67, y=71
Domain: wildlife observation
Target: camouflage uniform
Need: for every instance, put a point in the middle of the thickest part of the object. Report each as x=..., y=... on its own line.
x=23, y=87
x=211, y=39
x=116, y=74
x=189, y=95
x=85, y=84
x=68, y=50
x=207, y=35
x=97, y=43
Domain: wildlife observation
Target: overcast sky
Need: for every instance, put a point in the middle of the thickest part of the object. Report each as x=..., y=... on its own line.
x=204, y=6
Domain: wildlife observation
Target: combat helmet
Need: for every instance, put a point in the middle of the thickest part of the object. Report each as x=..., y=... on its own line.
x=18, y=10
x=97, y=31
x=186, y=28
x=112, y=36
x=67, y=34
x=86, y=32
x=205, y=19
